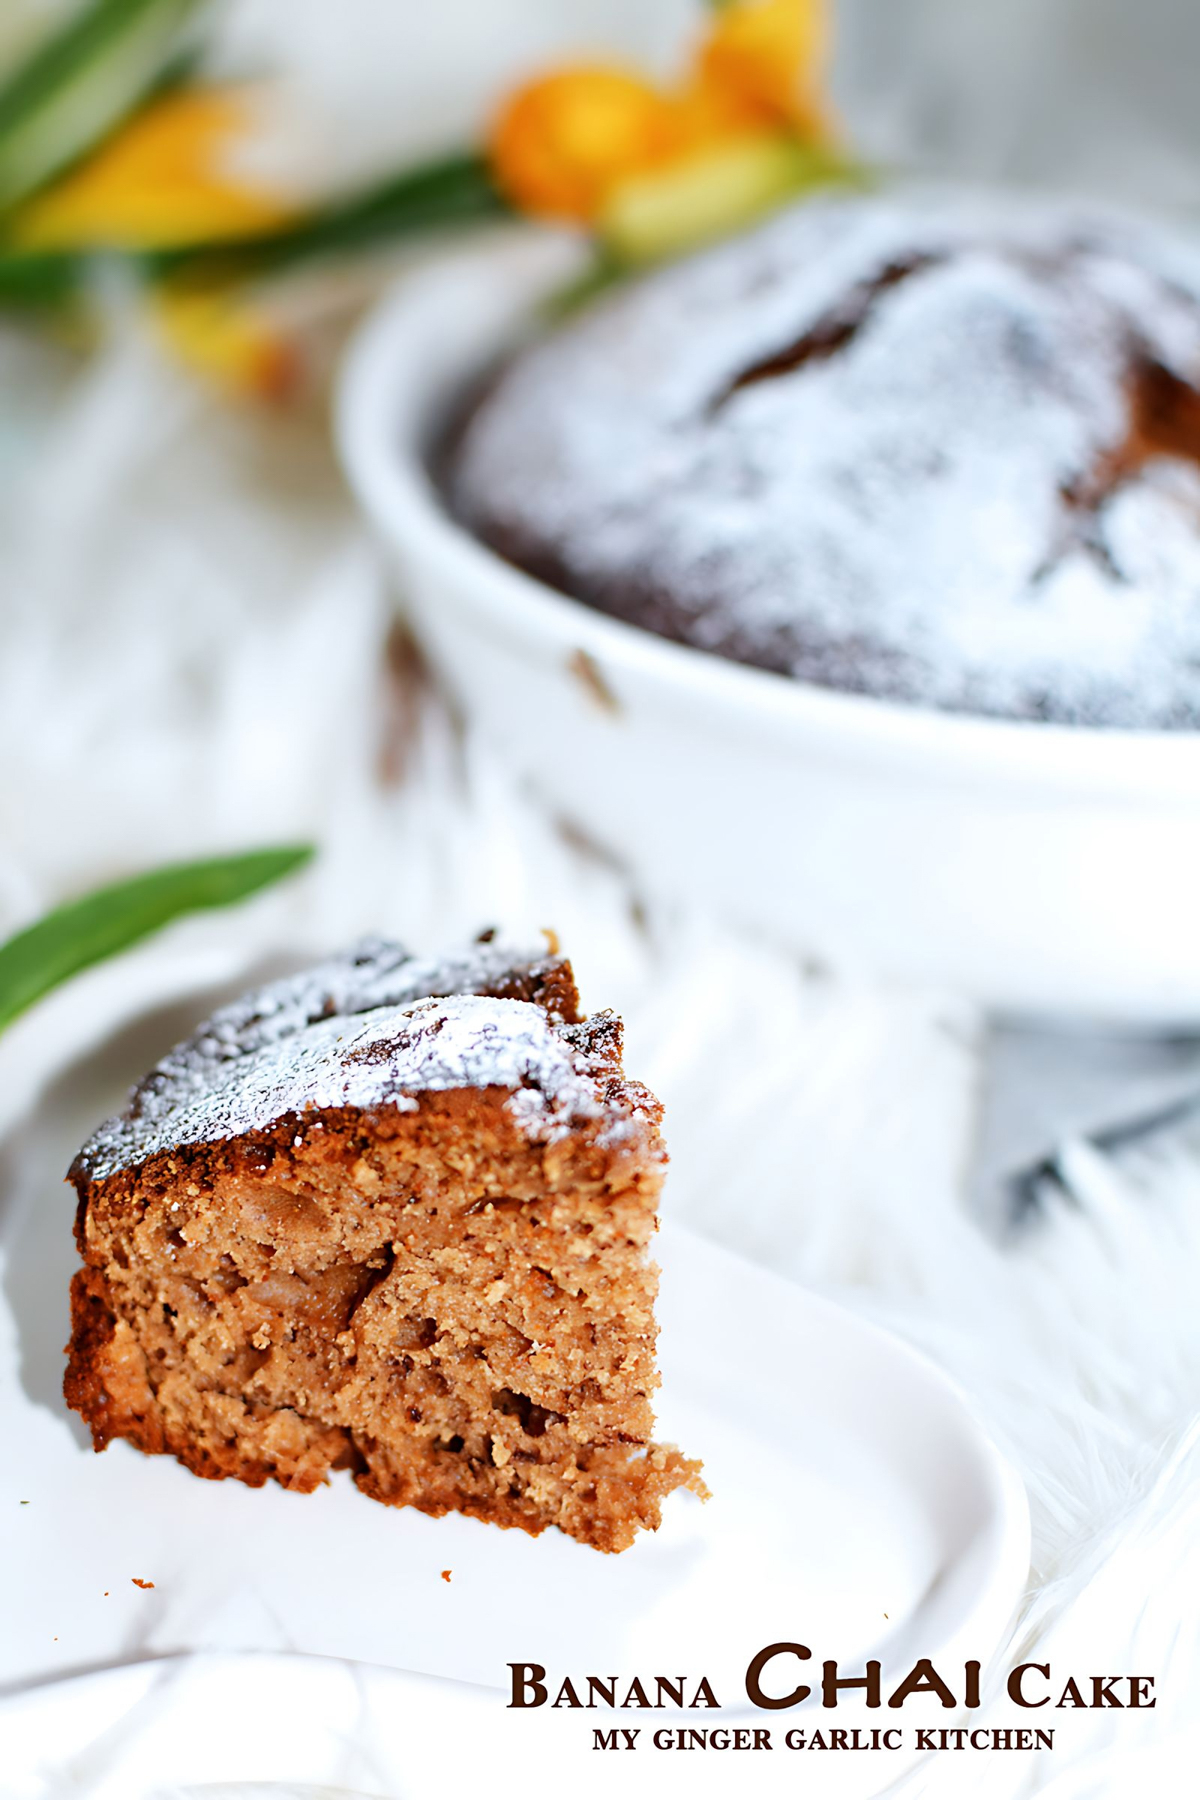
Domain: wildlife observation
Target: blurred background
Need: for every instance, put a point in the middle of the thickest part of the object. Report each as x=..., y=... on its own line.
x=178, y=543
x=1091, y=92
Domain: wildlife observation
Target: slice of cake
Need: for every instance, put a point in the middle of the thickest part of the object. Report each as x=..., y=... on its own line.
x=390, y=1215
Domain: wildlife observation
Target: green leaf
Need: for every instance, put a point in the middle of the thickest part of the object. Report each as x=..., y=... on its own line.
x=42, y=281
x=80, y=83
x=113, y=918
x=455, y=190
x=602, y=272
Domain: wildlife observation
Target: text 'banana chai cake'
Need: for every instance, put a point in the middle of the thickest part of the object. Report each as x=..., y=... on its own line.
x=392, y=1216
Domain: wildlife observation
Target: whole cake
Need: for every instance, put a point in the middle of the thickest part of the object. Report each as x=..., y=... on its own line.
x=936, y=449
x=390, y=1215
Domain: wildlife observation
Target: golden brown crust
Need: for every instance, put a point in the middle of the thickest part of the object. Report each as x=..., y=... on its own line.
x=105, y=1380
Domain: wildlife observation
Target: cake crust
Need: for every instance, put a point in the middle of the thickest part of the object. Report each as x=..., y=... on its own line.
x=404, y=1236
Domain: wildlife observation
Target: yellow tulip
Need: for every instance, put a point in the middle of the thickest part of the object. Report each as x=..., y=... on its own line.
x=564, y=141
x=158, y=183
x=601, y=146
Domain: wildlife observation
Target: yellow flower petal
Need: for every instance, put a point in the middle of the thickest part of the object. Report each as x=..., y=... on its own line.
x=159, y=182
x=561, y=142
x=225, y=340
x=770, y=56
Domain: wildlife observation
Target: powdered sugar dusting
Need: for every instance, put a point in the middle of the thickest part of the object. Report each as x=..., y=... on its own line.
x=350, y=1033
x=374, y=973
x=877, y=444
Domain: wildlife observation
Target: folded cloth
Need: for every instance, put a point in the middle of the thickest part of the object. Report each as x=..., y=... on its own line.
x=291, y=1727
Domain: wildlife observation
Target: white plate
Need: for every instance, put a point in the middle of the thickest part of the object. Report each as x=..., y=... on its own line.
x=857, y=1507
x=1039, y=867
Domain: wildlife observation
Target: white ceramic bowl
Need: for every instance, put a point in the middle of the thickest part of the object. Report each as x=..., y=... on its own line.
x=1033, y=867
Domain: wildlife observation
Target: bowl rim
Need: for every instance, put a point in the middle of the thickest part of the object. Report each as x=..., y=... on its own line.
x=383, y=406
